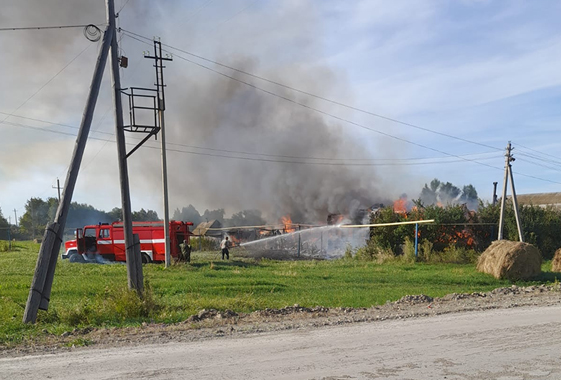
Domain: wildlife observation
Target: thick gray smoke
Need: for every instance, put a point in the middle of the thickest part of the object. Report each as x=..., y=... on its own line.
x=287, y=148
x=287, y=172
x=230, y=116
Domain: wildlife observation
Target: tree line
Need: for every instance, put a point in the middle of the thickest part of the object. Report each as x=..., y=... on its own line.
x=39, y=212
x=458, y=227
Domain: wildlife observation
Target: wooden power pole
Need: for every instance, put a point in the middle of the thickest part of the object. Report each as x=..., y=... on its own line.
x=161, y=105
x=40, y=291
x=508, y=174
x=134, y=261
x=39, y=294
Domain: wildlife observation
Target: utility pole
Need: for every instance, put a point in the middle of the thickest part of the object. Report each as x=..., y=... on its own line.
x=134, y=261
x=16, y=217
x=40, y=291
x=158, y=64
x=58, y=188
x=508, y=174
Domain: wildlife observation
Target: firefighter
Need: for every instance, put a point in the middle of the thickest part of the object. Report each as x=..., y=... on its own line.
x=185, y=251
x=224, y=245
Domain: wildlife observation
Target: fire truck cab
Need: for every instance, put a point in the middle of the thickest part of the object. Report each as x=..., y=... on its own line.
x=108, y=240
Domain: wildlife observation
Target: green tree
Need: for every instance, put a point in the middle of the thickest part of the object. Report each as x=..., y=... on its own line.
x=246, y=218
x=188, y=214
x=3, y=222
x=36, y=216
x=388, y=237
x=442, y=194
x=214, y=215
x=145, y=216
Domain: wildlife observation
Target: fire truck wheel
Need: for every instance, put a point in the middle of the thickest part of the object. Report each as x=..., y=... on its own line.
x=146, y=259
x=76, y=258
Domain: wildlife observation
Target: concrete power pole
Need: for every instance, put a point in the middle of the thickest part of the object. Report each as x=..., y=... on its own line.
x=40, y=291
x=58, y=188
x=15, y=217
x=508, y=174
x=134, y=260
x=158, y=64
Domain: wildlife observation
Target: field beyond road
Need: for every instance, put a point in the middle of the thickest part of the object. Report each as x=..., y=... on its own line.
x=95, y=296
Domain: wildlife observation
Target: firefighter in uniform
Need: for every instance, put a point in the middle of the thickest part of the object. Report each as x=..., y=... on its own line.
x=185, y=251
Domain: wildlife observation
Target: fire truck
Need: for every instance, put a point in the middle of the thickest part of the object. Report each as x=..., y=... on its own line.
x=108, y=240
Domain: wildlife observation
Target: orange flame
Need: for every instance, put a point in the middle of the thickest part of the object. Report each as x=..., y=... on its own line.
x=234, y=239
x=287, y=222
x=400, y=206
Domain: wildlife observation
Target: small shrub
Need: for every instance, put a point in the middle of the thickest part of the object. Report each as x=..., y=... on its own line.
x=348, y=252
x=426, y=251
x=373, y=252
x=458, y=255
x=408, y=251
x=203, y=243
x=4, y=246
x=114, y=305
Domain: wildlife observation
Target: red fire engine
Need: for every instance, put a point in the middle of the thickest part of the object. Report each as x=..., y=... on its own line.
x=108, y=240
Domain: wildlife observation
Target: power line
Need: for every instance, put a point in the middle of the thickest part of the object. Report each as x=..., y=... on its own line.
x=537, y=151
x=405, y=160
x=197, y=11
x=318, y=96
x=541, y=165
x=281, y=161
x=533, y=157
x=287, y=159
x=48, y=27
x=123, y=7
x=46, y=83
x=235, y=15
x=327, y=113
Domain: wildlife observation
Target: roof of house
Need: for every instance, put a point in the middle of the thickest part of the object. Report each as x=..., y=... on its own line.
x=204, y=228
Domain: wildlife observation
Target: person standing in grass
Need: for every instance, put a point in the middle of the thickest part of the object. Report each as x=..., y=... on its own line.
x=224, y=245
x=185, y=251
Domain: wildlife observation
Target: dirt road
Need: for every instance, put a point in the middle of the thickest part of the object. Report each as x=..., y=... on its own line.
x=519, y=343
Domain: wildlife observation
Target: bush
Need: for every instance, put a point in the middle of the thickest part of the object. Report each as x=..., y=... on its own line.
x=373, y=252
x=202, y=243
x=4, y=246
x=458, y=234
x=114, y=305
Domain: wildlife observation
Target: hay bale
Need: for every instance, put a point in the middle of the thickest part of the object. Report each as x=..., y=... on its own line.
x=556, y=262
x=510, y=260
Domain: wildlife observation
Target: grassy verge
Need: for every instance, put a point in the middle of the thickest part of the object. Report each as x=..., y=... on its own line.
x=85, y=295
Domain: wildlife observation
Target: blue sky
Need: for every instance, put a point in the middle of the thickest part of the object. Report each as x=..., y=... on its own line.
x=486, y=72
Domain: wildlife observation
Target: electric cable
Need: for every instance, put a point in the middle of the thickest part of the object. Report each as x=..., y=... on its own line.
x=49, y=27
x=263, y=159
x=318, y=96
x=235, y=15
x=329, y=114
x=533, y=157
x=404, y=160
x=536, y=151
x=291, y=160
x=117, y=14
x=46, y=83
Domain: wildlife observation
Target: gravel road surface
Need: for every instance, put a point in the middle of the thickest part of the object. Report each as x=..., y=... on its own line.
x=506, y=344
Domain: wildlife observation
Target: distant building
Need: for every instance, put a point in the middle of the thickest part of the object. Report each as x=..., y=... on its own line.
x=209, y=229
x=539, y=199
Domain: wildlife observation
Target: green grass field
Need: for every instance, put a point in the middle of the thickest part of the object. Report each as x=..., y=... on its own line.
x=96, y=295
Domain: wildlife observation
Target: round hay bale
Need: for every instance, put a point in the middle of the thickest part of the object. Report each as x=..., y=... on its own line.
x=556, y=262
x=510, y=260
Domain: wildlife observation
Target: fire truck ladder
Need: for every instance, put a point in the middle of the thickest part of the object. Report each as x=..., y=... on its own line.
x=142, y=101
